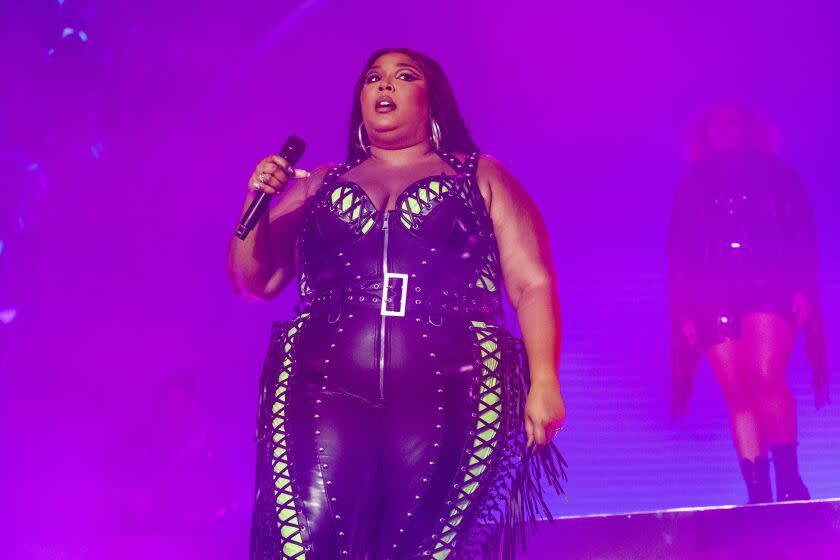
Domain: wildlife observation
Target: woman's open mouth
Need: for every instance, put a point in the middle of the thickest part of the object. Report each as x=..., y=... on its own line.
x=385, y=104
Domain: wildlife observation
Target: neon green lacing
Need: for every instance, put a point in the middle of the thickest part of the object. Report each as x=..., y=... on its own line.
x=487, y=428
x=411, y=206
x=287, y=514
x=351, y=206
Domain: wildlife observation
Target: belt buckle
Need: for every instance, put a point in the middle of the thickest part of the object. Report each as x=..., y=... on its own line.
x=401, y=311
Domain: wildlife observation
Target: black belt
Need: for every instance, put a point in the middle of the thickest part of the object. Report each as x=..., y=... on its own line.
x=397, y=295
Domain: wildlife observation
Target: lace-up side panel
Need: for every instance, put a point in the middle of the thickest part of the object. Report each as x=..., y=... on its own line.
x=480, y=454
x=287, y=508
x=488, y=271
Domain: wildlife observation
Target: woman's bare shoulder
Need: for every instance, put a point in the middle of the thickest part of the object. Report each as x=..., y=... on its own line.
x=495, y=181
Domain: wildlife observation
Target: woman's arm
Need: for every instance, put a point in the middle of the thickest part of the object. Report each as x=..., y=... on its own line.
x=803, y=238
x=263, y=264
x=684, y=252
x=531, y=284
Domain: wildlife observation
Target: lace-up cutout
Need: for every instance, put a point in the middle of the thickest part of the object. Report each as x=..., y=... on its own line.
x=288, y=519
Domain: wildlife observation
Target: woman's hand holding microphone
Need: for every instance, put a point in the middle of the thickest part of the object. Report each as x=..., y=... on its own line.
x=272, y=175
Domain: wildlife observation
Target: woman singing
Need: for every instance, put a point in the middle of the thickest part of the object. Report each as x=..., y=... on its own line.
x=743, y=263
x=398, y=417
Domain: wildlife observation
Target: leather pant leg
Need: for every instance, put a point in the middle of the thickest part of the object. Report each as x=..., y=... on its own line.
x=394, y=466
x=319, y=467
x=337, y=469
x=437, y=406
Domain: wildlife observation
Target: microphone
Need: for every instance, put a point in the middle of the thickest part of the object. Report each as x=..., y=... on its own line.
x=291, y=151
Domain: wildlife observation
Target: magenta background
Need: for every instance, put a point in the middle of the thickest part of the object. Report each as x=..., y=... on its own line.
x=129, y=374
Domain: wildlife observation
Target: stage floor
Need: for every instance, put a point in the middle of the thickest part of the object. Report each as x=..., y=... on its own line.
x=789, y=531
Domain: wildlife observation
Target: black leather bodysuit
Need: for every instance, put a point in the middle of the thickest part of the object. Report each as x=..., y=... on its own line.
x=390, y=421
x=742, y=239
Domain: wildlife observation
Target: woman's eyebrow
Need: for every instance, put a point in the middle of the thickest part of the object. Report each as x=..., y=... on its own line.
x=409, y=65
x=399, y=64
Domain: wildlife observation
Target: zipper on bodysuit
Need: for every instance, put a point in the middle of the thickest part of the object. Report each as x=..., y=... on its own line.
x=385, y=216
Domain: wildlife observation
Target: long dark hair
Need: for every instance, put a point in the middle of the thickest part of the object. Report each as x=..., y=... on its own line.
x=761, y=136
x=444, y=109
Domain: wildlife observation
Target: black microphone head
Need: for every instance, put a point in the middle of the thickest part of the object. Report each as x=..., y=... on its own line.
x=292, y=149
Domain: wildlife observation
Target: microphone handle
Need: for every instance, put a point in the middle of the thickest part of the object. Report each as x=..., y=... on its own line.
x=253, y=214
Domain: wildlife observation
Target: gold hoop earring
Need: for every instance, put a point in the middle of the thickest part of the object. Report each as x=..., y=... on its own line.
x=360, y=135
x=435, y=134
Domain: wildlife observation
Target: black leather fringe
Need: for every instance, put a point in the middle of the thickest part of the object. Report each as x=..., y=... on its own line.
x=514, y=498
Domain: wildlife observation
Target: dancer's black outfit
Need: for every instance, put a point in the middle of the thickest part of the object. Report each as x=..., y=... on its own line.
x=395, y=429
x=742, y=239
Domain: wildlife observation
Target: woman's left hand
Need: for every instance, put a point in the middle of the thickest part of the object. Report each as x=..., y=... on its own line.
x=545, y=412
x=801, y=309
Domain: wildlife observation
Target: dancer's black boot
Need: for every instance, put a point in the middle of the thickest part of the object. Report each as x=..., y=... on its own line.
x=789, y=485
x=757, y=477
